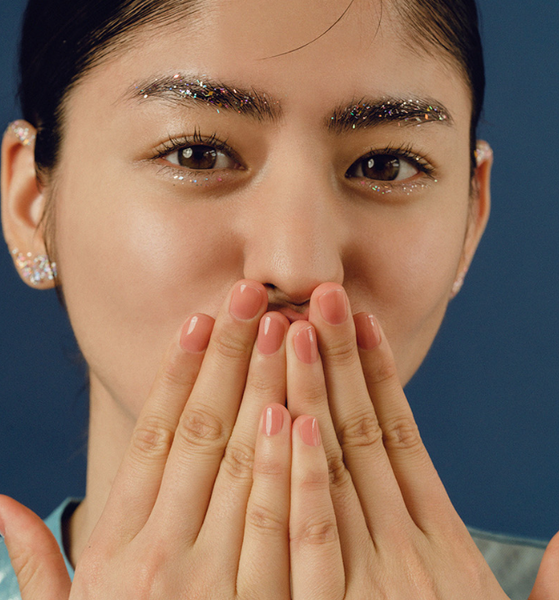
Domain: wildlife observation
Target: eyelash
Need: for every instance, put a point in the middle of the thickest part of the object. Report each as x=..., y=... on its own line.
x=403, y=151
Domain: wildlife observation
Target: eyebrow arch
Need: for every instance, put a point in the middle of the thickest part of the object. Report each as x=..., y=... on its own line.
x=181, y=90
x=367, y=112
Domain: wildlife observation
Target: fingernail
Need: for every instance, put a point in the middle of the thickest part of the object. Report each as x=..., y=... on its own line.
x=245, y=302
x=305, y=345
x=310, y=433
x=272, y=420
x=367, y=330
x=271, y=332
x=196, y=332
x=333, y=307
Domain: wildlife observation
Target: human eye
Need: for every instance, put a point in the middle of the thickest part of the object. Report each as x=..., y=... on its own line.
x=391, y=169
x=197, y=154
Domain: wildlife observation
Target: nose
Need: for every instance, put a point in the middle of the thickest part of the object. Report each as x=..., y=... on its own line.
x=294, y=237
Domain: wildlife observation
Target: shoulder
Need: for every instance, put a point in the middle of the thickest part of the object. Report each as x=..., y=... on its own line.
x=514, y=561
x=9, y=589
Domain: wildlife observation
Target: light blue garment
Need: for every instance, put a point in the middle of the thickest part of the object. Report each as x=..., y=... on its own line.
x=514, y=561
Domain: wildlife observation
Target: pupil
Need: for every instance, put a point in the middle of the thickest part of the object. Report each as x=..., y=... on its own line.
x=382, y=167
x=198, y=157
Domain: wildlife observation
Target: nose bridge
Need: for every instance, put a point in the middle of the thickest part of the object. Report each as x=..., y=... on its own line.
x=294, y=240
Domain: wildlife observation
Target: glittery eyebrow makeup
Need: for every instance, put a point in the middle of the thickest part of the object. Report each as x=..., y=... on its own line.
x=403, y=111
x=178, y=89
x=181, y=89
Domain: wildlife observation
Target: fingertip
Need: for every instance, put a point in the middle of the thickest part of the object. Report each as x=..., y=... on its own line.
x=308, y=430
x=275, y=418
x=196, y=332
x=367, y=330
x=272, y=331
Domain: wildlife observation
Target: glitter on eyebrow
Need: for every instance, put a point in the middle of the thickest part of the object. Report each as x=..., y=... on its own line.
x=219, y=96
x=404, y=112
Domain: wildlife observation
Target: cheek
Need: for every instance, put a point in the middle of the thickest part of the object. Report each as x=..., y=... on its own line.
x=405, y=278
x=133, y=269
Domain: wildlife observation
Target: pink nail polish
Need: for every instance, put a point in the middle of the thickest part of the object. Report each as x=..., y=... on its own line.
x=196, y=332
x=310, y=433
x=272, y=420
x=305, y=345
x=271, y=332
x=246, y=301
x=333, y=306
x=368, y=332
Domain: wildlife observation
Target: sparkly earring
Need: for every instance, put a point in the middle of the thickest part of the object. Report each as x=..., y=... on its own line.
x=483, y=152
x=22, y=132
x=36, y=270
x=458, y=283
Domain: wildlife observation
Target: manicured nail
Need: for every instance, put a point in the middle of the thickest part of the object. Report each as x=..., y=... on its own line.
x=196, y=332
x=310, y=433
x=246, y=302
x=368, y=332
x=305, y=345
x=271, y=332
x=272, y=420
x=333, y=306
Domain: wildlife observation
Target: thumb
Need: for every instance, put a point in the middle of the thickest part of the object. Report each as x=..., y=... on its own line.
x=547, y=581
x=34, y=553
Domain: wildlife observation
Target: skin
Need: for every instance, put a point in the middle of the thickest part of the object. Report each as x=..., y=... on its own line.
x=293, y=227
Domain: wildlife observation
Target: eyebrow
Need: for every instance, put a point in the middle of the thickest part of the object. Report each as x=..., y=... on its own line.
x=179, y=89
x=367, y=112
x=358, y=114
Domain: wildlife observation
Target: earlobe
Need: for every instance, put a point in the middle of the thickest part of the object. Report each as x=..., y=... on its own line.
x=480, y=206
x=22, y=207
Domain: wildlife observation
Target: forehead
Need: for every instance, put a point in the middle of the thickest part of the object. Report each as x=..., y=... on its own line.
x=311, y=56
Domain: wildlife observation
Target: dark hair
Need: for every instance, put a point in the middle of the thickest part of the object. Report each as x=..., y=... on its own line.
x=63, y=39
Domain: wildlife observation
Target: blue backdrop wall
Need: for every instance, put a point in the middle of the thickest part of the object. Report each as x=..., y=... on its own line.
x=487, y=397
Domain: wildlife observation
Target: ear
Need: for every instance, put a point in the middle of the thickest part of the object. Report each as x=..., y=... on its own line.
x=23, y=203
x=480, y=207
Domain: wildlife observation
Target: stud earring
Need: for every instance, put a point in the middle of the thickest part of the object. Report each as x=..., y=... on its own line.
x=483, y=152
x=23, y=133
x=458, y=283
x=36, y=270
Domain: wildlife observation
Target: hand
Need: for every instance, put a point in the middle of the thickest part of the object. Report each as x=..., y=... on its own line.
x=392, y=531
x=180, y=519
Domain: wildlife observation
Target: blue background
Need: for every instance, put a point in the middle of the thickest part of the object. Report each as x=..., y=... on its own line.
x=487, y=397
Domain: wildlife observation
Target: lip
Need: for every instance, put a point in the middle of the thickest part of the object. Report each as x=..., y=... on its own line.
x=291, y=314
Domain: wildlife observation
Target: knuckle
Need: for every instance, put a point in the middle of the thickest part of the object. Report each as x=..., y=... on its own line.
x=232, y=348
x=200, y=428
x=314, y=393
x=261, y=386
x=382, y=371
x=268, y=467
x=342, y=352
x=238, y=460
x=362, y=430
x=402, y=433
x=264, y=520
x=338, y=475
x=317, y=531
x=152, y=438
x=314, y=480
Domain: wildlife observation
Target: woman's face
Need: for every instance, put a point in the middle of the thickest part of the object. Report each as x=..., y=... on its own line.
x=296, y=172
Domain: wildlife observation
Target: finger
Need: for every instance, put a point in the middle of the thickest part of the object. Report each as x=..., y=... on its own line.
x=547, y=581
x=139, y=478
x=264, y=563
x=306, y=394
x=34, y=553
x=208, y=418
x=356, y=423
x=225, y=518
x=423, y=492
x=316, y=557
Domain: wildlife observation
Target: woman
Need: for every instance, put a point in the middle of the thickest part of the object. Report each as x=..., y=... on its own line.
x=240, y=180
